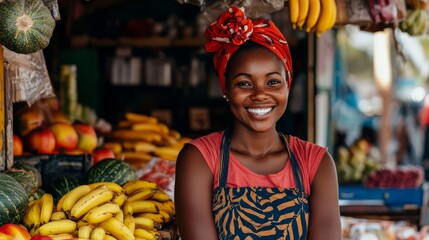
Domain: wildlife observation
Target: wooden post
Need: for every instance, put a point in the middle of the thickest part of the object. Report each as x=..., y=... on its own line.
x=6, y=108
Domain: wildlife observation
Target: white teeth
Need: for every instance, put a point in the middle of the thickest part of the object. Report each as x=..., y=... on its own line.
x=259, y=111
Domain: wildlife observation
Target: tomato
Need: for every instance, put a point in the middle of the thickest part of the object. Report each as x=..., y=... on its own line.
x=15, y=231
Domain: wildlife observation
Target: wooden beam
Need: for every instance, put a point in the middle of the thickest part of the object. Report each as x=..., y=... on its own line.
x=6, y=130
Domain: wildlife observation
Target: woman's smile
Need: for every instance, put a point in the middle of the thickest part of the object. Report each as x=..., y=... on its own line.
x=260, y=111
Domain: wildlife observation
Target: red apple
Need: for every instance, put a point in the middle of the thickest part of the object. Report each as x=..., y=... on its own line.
x=65, y=136
x=17, y=145
x=40, y=237
x=40, y=140
x=87, y=137
x=15, y=231
x=102, y=153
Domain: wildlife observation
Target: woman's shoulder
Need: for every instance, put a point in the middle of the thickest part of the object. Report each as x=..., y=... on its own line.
x=211, y=138
x=302, y=144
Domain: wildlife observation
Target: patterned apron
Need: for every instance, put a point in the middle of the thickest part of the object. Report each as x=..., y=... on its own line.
x=258, y=212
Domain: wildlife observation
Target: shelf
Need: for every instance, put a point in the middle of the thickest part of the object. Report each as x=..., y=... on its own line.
x=152, y=42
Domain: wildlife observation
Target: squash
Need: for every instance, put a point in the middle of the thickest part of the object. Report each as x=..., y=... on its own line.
x=26, y=25
x=62, y=185
x=111, y=170
x=13, y=200
x=27, y=175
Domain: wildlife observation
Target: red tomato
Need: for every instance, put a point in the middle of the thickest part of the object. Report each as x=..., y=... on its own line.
x=15, y=231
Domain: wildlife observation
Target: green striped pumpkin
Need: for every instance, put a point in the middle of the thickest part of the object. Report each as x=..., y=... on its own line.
x=28, y=176
x=13, y=200
x=37, y=195
x=63, y=185
x=26, y=25
x=111, y=170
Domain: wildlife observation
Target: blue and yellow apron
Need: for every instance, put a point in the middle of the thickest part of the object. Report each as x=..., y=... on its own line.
x=258, y=212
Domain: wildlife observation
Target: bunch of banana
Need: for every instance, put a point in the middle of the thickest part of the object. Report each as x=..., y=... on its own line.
x=317, y=15
x=417, y=4
x=139, y=138
x=105, y=210
x=416, y=22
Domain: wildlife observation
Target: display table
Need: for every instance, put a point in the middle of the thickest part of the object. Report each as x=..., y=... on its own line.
x=385, y=203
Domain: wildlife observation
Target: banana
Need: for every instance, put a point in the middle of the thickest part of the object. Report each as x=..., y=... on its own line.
x=59, y=207
x=139, y=146
x=101, y=213
x=115, y=147
x=142, y=194
x=160, y=206
x=175, y=134
x=137, y=156
x=135, y=185
x=32, y=216
x=145, y=234
x=293, y=12
x=119, y=199
x=58, y=216
x=165, y=215
x=120, y=216
x=95, y=197
x=111, y=185
x=171, y=208
x=117, y=229
x=303, y=12
x=108, y=237
x=160, y=196
x=57, y=227
x=313, y=15
x=151, y=127
x=129, y=222
x=127, y=208
x=62, y=236
x=73, y=196
x=133, y=135
x=81, y=223
x=98, y=234
x=156, y=217
x=47, y=207
x=325, y=18
x=85, y=232
x=144, y=222
x=143, y=206
x=141, y=118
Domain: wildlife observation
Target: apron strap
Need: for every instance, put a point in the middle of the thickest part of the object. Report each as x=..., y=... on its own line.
x=224, y=157
x=295, y=166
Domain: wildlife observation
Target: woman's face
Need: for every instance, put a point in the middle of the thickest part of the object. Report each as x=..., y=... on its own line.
x=257, y=89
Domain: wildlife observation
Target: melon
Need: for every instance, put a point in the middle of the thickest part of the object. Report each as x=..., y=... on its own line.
x=13, y=200
x=111, y=170
x=26, y=25
x=28, y=176
x=63, y=185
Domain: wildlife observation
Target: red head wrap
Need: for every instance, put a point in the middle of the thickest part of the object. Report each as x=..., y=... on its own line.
x=233, y=28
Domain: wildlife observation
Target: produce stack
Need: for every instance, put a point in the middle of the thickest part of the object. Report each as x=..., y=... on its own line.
x=103, y=210
x=139, y=138
x=417, y=21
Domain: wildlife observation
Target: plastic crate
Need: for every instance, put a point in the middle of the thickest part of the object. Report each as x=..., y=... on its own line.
x=390, y=197
x=53, y=166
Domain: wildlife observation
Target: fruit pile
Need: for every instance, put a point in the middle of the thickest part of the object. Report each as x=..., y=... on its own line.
x=417, y=21
x=138, y=138
x=103, y=210
x=317, y=15
x=399, y=177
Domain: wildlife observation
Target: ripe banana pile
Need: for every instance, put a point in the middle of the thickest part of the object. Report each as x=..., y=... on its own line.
x=317, y=15
x=100, y=211
x=139, y=138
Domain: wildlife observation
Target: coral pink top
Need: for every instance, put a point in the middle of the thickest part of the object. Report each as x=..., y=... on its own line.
x=308, y=155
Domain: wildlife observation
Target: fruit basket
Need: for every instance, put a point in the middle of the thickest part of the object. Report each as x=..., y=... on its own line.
x=52, y=166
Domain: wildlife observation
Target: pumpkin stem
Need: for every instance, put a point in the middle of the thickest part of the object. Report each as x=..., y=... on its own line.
x=24, y=23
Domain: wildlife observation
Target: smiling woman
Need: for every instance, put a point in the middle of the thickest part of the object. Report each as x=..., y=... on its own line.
x=250, y=181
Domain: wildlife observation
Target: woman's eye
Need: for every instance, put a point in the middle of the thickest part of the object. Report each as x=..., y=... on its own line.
x=244, y=83
x=274, y=82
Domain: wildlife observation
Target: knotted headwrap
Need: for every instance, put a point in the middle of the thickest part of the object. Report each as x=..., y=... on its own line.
x=233, y=28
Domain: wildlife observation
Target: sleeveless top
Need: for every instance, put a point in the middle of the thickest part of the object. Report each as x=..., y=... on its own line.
x=259, y=212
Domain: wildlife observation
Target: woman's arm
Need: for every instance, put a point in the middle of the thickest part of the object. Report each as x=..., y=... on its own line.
x=193, y=196
x=324, y=208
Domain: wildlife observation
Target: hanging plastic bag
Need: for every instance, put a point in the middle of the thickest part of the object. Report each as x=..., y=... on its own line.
x=28, y=75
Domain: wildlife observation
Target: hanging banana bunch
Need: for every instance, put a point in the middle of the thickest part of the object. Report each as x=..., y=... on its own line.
x=313, y=15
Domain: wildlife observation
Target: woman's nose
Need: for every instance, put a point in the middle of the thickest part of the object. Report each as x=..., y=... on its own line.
x=259, y=93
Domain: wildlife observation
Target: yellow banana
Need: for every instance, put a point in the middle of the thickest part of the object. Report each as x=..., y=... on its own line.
x=111, y=185
x=171, y=208
x=73, y=196
x=313, y=15
x=151, y=127
x=303, y=12
x=58, y=216
x=127, y=208
x=333, y=18
x=156, y=217
x=137, y=156
x=119, y=199
x=129, y=222
x=325, y=18
x=108, y=237
x=133, y=135
x=165, y=215
x=57, y=227
x=115, y=147
x=117, y=229
x=81, y=223
x=142, y=118
x=145, y=234
x=142, y=194
x=32, y=216
x=160, y=196
x=101, y=213
x=59, y=207
x=139, y=146
x=293, y=12
x=85, y=232
x=98, y=234
x=144, y=222
x=120, y=216
x=47, y=207
x=159, y=205
x=90, y=200
x=143, y=206
x=175, y=134
x=135, y=185
x=62, y=236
